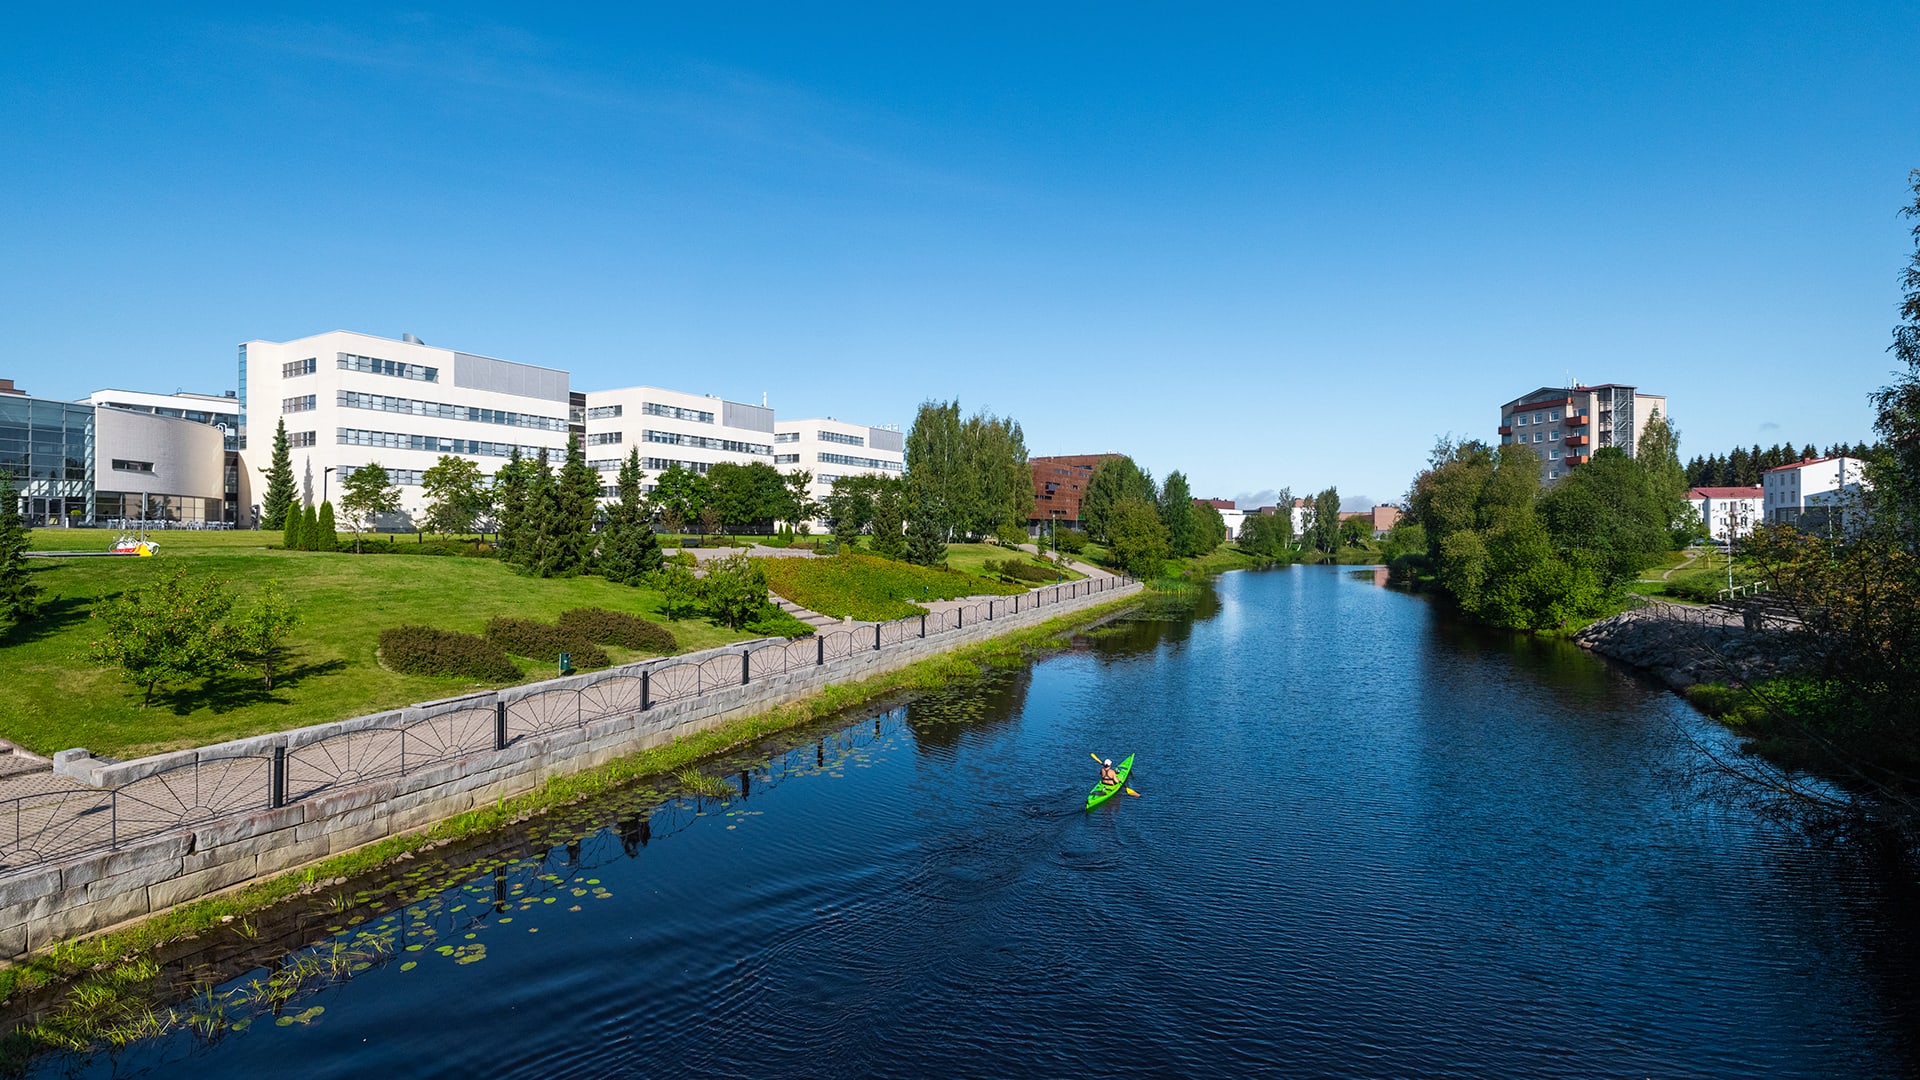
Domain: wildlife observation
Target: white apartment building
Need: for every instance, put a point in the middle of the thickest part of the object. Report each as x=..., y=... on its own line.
x=1729, y=513
x=351, y=399
x=1563, y=426
x=1808, y=493
x=694, y=431
x=831, y=449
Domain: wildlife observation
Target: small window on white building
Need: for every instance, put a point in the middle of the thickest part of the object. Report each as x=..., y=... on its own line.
x=1554, y=436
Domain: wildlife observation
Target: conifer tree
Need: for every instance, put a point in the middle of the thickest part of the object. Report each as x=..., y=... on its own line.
x=510, y=485
x=628, y=549
x=280, y=492
x=926, y=535
x=309, y=530
x=534, y=546
x=576, y=503
x=19, y=596
x=326, y=535
x=295, y=537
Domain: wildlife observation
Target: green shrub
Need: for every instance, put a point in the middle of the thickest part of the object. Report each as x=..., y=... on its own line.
x=1022, y=570
x=870, y=587
x=422, y=650
x=396, y=546
x=536, y=640
x=605, y=627
x=1071, y=541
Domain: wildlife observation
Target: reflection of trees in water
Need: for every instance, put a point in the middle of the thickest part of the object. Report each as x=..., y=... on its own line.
x=1162, y=619
x=940, y=719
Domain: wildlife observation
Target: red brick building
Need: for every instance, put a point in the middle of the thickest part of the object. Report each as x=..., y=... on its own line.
x=1059, y=483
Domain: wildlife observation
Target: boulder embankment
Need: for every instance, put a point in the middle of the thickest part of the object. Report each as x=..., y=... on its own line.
x=1682, y=645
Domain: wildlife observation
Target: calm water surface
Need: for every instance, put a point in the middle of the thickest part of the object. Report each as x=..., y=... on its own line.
x=1370, y=842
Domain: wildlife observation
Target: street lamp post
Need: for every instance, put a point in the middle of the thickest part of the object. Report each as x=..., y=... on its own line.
x=325, y=475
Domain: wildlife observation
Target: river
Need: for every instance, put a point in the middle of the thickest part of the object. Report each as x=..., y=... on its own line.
x=1369, y=841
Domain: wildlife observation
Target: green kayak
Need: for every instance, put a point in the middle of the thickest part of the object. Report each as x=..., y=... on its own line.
x=1102, y=792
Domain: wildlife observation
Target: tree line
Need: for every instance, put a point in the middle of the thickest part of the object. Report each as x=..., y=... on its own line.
x=1743, y=467
x=1480, y=527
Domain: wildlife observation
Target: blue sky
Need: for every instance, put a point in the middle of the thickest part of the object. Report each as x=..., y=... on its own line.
x=1264, y=245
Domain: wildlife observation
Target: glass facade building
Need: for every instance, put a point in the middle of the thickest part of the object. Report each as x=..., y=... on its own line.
x=48, y=447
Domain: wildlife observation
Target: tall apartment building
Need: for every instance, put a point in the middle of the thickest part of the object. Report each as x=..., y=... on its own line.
x=352, y=399
x=831, y=449
x=672, y=427
x=1565, y=425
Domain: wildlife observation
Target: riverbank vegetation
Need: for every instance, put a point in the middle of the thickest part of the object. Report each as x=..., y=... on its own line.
x=1513, y=555
x=1848, y=582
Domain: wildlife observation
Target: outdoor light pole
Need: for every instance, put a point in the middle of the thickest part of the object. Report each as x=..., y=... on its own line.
x=325, y=475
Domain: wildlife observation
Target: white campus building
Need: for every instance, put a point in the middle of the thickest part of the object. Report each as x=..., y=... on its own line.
x=670, y=427
x=1729, y=513
x=1807, y=493
x=831, y=449
x=352, y=399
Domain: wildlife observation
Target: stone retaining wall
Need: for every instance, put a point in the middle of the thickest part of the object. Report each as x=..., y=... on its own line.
x=44, y=905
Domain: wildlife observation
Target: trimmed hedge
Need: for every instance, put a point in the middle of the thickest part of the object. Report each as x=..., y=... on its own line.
x=536, y=640
x=605, y=627
x=422, y=650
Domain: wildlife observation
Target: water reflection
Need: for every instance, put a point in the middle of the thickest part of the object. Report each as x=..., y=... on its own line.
x=1396, y=845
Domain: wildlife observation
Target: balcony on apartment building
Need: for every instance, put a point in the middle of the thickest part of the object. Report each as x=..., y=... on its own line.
x=1506, y=429
x=1577, y=459
x=1577, y=421
x=1578, y=440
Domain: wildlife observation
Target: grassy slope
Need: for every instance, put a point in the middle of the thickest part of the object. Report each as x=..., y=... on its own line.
x=870, y=587
x=972, y=559
x=56, y=698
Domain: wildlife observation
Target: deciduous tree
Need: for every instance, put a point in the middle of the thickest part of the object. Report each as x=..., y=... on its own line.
x=165, y=633
x=1136, y=537
x=457, y=494
x=366, y=492
x=260, y=634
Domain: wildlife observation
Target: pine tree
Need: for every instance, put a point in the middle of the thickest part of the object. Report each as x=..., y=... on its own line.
x=510, y=483
x=280, y=492
x=19, y=596
x=534, y=546
x=326, y=536
x=576, y=502
x=926, y=536
x=295, y=538
x=628, y=549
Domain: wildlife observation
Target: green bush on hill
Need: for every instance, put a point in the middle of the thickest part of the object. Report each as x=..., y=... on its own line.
x=422, y=650
x=1022, y=570
x=870, y=587
x=605, y=627
x=536, y=640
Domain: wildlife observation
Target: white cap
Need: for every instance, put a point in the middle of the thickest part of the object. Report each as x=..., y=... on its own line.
x=1109, y=761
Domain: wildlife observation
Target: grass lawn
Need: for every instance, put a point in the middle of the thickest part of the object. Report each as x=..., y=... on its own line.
x=868, y=587
x=56, y=698
x=972, y=559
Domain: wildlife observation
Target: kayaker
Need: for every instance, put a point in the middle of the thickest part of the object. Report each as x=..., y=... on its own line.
x=1107, y=776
